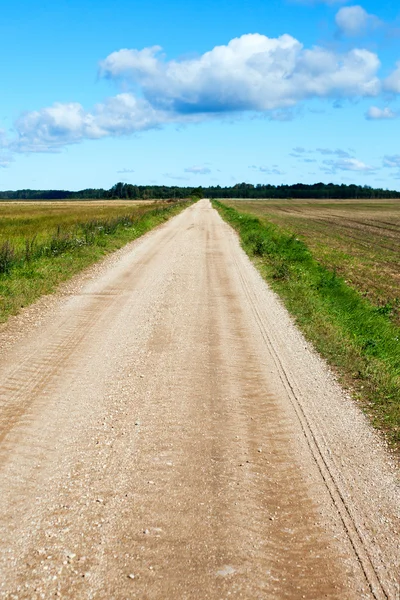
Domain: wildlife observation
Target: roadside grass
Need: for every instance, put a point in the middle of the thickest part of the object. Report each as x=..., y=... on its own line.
x=39, y=250
x=357, y=338
x=358, y=239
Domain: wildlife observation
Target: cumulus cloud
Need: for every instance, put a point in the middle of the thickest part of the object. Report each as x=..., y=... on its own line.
x=144, y=62
x=125, y=113
x=354, y=21
x=50, y=128
x=197, y=170
x=392, y=83
x=54, y=126
x=375, y=113
x=251, y=73
x=347, y=164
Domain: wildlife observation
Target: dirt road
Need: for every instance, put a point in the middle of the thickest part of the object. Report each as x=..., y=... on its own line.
x=166, y=433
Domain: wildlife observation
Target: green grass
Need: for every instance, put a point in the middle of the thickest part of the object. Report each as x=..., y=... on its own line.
x=38, y=250
x=357, y=337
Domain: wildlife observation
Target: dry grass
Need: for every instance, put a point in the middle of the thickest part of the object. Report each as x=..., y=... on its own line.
x=359, y=239
x=21, y=220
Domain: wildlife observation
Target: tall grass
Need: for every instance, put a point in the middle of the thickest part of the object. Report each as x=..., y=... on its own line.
x=67, y=239
x=356, y=337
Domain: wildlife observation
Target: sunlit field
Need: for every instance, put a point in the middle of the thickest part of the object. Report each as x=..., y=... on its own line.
x=24, y=220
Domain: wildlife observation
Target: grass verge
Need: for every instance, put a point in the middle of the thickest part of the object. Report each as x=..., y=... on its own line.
x=359, y=239
x=33, y=268
x=356, y=337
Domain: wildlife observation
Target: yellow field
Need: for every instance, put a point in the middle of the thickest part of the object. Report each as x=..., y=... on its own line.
x=21, y=220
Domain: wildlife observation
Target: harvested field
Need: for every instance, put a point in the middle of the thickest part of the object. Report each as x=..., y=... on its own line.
x=359, y=239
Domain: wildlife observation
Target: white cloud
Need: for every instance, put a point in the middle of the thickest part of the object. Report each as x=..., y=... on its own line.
x=375, y=113
x=392, y=161
x=354, y=20
x=125, y=171
x=251, y=73
x=124, y=114
x=347, y=164
x=392, y=83
x=141, y=61
x=50, y=128
x=197, y=170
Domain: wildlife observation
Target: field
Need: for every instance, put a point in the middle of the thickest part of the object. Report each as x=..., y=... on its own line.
x=359, y=240
x=24, y=220
x=45, y=243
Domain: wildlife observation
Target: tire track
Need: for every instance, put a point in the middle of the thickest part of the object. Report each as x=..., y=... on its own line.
x=319, y=454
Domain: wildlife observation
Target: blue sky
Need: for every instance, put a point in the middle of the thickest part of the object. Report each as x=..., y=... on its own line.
x=186, y=93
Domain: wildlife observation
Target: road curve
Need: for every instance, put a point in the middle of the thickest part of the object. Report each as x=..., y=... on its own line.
x=167, y=433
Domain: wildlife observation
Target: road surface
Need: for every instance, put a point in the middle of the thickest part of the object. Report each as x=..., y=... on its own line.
x=167, y=433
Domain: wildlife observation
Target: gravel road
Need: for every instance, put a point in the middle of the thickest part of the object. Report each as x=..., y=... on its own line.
x=167, y=433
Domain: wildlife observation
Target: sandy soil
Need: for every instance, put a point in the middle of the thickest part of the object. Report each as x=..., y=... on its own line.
x=167, y=433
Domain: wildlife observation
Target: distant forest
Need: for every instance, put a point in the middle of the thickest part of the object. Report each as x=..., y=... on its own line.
x=240, y=190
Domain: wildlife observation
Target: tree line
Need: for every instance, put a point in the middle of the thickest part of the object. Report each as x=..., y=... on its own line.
x=240, y=190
